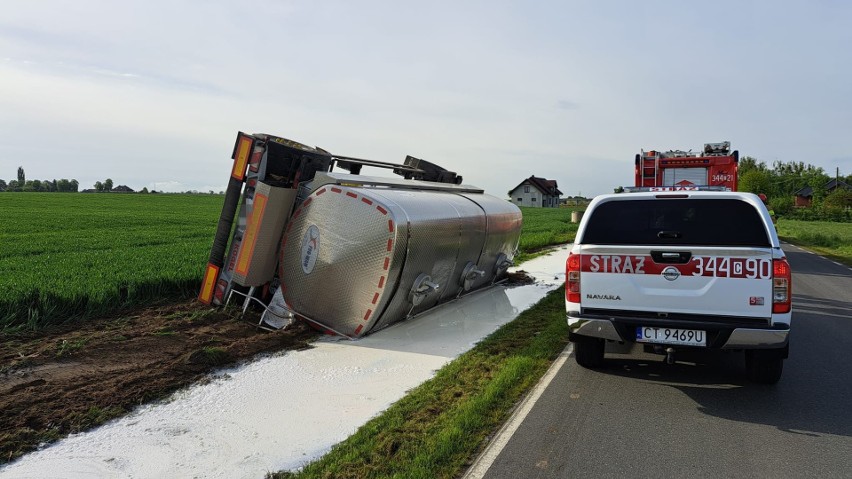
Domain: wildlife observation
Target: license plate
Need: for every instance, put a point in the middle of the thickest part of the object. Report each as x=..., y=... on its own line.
x=683, y=337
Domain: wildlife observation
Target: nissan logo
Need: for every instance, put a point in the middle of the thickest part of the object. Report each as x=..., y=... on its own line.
x=671, y=273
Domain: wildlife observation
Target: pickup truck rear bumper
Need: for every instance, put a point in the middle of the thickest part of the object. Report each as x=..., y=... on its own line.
x=723, y=337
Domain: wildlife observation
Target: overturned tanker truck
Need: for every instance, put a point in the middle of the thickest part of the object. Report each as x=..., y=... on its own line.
x=350, y=253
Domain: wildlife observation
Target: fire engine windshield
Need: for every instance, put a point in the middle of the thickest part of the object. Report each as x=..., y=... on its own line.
x=699, y=222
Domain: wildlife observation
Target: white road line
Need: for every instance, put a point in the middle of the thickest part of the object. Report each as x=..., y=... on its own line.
x=819, y=255
x=489, y=455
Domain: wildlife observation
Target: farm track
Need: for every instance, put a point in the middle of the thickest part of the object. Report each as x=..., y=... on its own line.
x=71, y=378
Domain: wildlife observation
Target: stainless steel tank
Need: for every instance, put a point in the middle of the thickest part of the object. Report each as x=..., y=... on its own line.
x=357, y=259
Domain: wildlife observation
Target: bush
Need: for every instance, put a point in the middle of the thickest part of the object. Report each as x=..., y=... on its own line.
x=821, y=213
x=838, y=199
x=833, y=213
x=781, y=205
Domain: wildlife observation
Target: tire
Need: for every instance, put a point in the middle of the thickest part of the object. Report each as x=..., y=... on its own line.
x=764, y=367
x=589, y=352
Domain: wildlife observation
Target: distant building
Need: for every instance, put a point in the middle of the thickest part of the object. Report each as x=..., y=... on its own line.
x=574, y=201
x=805, y=196
x=536, y=192
x=122, y=189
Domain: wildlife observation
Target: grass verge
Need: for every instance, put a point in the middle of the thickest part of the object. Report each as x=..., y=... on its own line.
x=436, y=429
x=830, y=239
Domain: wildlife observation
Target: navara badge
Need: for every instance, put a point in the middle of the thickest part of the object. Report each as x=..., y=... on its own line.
x=671, y=273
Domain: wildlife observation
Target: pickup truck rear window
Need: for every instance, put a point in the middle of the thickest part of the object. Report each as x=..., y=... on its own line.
x=701, y=222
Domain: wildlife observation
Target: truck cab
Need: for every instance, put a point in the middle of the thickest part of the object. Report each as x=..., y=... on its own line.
x=676, y=268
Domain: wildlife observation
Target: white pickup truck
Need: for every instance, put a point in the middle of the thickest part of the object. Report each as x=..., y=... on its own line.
x=680, y=268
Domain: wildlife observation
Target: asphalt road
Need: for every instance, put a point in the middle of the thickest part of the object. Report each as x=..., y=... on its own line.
x=640, y=417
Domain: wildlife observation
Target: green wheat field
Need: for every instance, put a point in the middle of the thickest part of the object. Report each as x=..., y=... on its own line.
x=67, y=255
x=71, y=255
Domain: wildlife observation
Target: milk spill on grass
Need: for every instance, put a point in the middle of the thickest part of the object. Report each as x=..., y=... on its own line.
x=282, y=411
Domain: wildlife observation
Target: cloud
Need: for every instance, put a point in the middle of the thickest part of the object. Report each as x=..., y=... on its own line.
x=567, y=105
x=155, y=92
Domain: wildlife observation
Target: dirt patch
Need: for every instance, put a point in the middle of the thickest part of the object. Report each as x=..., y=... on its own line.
x=518, y=278
x=69, y=379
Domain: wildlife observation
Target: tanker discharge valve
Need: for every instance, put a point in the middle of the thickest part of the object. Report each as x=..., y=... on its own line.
x=423, y=287
x=469, y=276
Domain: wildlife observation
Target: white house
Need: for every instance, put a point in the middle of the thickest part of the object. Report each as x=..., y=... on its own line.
x=536, y=192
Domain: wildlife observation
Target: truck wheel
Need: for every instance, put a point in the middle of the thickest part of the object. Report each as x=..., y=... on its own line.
x=589, y=352
x=764, y=366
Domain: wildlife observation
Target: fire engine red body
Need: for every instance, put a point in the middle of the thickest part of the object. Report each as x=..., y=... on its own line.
x=715, y=166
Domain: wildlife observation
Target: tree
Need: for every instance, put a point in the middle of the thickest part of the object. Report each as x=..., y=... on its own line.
x=22, y=179
x=841, y=198
x=3, y=184
x=756, y=181
x=754, y=176
x=782, y=205
x=108, y=184
x=748, y=163
x=75, y=185
x=817, y=184
x=99, y=186
x=144, y=189
x=793, y=175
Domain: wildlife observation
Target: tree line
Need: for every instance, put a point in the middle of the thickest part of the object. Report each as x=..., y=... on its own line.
x=783, y=180
x=23, y=184
x=52, y=186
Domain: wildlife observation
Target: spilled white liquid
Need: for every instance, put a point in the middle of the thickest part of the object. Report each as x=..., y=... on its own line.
x=282, y=411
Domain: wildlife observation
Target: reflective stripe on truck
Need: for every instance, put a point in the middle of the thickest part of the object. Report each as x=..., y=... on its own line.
x=713, y=266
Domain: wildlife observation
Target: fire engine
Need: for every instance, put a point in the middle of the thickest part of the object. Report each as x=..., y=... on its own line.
x=715, y=166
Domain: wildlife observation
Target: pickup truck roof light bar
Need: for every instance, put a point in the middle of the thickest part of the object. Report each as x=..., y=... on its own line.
x=660, y=189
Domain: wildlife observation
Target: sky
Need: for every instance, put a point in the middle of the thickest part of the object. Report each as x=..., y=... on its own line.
x=152, y=93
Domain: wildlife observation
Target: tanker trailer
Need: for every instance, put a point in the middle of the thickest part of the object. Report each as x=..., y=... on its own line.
x=357, y=253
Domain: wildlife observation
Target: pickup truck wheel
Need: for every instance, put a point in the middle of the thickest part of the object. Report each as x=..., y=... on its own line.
x=589, y=352
x=764, y=366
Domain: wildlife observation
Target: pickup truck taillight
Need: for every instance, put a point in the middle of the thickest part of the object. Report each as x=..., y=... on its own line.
x=782, y=290
x=572, y=278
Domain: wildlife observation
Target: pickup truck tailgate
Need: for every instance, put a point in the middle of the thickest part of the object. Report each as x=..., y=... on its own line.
x=734, y=282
